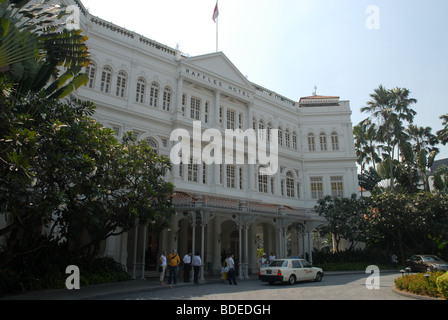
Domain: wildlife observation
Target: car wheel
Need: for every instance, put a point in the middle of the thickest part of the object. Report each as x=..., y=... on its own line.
x=292, y=279
x=318, y=277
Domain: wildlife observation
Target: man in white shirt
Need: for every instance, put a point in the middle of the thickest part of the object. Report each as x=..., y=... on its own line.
x=187, y=266
x=197, y=263
x=232, y=272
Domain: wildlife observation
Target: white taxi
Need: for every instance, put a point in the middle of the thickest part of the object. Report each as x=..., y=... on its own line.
x=291, y=271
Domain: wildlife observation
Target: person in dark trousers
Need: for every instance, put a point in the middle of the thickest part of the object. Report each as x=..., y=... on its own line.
x=232, y=272
x=187, y=266
x=173, y=263
x=197, y=263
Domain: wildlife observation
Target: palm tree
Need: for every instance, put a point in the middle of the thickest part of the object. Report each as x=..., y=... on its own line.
x=365, y=133
x=442, y=135
x=35, y=49
x=388, y=108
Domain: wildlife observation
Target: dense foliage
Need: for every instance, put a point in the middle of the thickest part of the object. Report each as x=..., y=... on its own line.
x=390, y=221
x=66, y=182
x=422, y=285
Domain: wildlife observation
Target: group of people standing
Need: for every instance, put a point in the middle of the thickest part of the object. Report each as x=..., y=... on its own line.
x=172, y=262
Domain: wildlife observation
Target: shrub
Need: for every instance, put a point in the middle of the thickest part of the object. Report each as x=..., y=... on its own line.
x=418, y=284
x=442, y=285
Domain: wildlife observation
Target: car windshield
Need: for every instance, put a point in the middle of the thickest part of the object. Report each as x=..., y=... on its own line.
x=431, y=259
x=279, y=263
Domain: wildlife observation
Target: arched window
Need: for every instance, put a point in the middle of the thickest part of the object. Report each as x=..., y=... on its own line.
x=335, y=141
x=154, y=95
x=323, y=141
x=287, y=138
x=153, y=144
x=262, y=183
x=121, y=84
x=268, y=132
x=311, y=142
x=106, y=79
x=141, y=90
x=280, y=136
x=91, y=72
x=290, y=185
x=261, y=132
x=294, y=140
x=166, y=99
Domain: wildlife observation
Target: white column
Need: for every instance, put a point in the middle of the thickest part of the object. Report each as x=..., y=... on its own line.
x=202, y=249
x=240, y=256
x=246, y=253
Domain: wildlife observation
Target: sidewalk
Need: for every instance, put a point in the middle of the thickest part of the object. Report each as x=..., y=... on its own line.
x=149, y=284
x=103, y=290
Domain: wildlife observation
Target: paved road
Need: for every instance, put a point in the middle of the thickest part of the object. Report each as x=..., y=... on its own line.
x=336, y=287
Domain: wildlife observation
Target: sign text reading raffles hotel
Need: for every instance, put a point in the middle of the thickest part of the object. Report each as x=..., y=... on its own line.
x=217, y=83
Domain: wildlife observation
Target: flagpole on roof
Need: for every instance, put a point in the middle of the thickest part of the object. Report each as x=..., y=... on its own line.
x=216, y=19
x=217, y=28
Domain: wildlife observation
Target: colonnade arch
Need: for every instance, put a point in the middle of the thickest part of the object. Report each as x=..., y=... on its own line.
x=214, y=235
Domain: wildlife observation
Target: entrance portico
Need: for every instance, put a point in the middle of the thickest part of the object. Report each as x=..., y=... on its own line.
x=216, y=227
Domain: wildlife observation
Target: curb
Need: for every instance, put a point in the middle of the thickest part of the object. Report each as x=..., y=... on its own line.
x=415, y=296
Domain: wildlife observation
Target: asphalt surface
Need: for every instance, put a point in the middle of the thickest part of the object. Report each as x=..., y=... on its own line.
x=212, y=288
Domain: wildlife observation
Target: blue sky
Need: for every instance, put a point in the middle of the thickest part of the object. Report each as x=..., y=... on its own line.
x=290, y=46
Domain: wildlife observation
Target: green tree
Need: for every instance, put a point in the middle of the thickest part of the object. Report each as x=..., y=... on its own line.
x=346, y=219
x=441, y=179
x=389, y=109
x=442, y=134
x=37, y=53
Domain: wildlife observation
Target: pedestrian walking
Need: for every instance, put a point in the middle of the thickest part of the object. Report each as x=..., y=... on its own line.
x=162, y=267
x=224, y=271
x=187, y=266
x=197, y=263
x=272, y=257
x=232, y=272
x=173, y=263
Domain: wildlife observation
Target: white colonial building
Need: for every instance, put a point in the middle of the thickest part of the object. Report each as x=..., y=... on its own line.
x=142, y=86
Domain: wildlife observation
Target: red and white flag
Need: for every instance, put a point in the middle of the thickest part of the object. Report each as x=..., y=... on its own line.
x=216, y=12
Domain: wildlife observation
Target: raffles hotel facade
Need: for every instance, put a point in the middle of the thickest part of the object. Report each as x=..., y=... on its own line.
x=147, y=88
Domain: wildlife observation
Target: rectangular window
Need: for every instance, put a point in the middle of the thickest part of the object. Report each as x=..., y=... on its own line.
x=262, y=183
x=230, y=173
x=231, y=119
x=240, y=121
x=337, y=187
x=193, y=171
x=195, y=109
x=317, y=188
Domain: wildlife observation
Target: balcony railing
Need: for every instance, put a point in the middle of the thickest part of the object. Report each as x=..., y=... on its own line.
x=184, y=200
